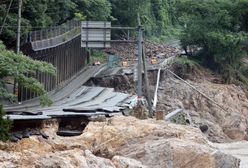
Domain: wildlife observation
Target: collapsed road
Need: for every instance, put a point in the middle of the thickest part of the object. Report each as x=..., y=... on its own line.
x=84, y=101
x=73, y=99
x=74, y=106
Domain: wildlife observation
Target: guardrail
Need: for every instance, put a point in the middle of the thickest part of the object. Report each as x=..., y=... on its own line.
x=54, y=36
x=54, y=31
x=59, y=46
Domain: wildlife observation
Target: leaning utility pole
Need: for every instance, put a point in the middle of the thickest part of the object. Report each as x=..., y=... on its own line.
x=19, y=27
x=139, y=61
x=148, y=95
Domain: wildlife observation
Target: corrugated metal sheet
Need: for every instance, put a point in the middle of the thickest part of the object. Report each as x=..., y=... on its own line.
x=91, y=101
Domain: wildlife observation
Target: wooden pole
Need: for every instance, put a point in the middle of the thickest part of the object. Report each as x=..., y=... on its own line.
x=148, y=95
x=19, y=27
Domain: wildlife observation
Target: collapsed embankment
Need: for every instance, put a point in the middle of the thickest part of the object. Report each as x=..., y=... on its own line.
x=119, y=142
x=225, y=124
x=128, y=142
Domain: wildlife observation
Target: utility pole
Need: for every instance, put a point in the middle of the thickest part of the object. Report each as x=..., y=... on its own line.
x=139, y=61
x=19, y=27
x=148, y=95
x=15, y=89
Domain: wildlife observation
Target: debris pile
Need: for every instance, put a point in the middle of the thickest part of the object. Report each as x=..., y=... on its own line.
x=129, y=51
x=218, y=125
x=117, y=143
x=226, y=123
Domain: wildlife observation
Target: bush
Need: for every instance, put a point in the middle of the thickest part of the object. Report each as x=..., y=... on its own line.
x=5, y=126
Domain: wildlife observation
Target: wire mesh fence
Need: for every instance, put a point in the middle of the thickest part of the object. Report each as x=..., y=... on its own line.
x=53, y=32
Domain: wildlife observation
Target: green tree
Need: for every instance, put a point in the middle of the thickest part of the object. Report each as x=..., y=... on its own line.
x=215, y=32
x=157, y=16
x=17, y=66
x=97, y=10
x=36, y=14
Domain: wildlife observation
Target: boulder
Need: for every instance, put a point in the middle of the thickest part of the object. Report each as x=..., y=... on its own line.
x=119, y=142
x=154, y=144
x=124, y=162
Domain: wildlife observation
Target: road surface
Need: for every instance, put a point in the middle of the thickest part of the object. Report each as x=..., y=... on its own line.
x=237, y=149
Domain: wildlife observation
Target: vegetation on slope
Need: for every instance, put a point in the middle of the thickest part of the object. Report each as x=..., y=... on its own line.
x=17, y=66
x=5, y=126
x=215, y=32
x=158, y=16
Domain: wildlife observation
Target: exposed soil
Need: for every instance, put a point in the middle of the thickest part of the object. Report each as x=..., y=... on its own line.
x=119, y=142
x=225, y=125
x=122, y=142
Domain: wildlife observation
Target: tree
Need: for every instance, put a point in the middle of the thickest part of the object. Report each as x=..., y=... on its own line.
x=97, y=10
x=17, y=66
x=36, y=14
x=157, y=16
x=216, y=32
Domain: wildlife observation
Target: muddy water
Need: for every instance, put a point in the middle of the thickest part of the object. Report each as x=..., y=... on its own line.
x=237, y=149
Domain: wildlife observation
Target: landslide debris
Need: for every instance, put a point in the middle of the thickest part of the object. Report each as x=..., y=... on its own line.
x=225, y=124
x=119, y=142
x=129, y=51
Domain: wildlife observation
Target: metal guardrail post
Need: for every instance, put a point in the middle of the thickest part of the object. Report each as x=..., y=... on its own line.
x=40, y=34
x=35, y=35
x=59, y=30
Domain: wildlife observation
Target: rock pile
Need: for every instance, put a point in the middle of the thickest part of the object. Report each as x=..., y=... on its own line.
x=221, y=125
x=130, y=51
x=119, y=142
x=224, y=125
x=155, y=143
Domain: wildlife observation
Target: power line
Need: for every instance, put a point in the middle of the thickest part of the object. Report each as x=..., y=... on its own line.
x=4, y=20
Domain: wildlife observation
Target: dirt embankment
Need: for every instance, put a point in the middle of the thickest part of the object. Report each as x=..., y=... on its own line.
x=225, y=124
x=119, y=142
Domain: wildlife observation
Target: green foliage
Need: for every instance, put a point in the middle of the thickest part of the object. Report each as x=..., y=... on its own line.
x=172, y=33
x=97, y=10
x=217, y=31
x=157, y=16
x=185, y=61
x=36, y=14
x=5, y=126
x=180, y=118
x=226, y=48
x=80, y=16
x=17, y=66
x=97, y=55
